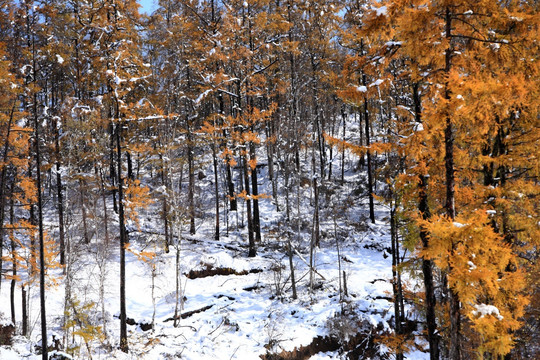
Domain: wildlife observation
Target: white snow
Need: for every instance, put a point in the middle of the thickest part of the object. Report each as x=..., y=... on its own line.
x=361, y=89
x=381, y=10
x=246, y=311
x=484, y=310
x=376, y=82
x=59, y=59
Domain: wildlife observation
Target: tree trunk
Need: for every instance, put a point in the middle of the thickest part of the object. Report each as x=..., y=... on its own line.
x=191, y=185
x=44, y=354
x=396, y=278
x=291, y=266
x=24, y=312
x=216, y=188
x=3, y=185
x=427, y=264
x=83, y=209
x=13, y=257
x=368, y=156
x=123, y=241
x=255, y=192
x=59, y=197
x=271, y=171
x=455, y=315
x=252, y=250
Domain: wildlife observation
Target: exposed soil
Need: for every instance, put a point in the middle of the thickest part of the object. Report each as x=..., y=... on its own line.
x=213, y=271
x=360, y=346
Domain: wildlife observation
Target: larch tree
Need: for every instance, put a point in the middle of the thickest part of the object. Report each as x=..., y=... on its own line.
x=456, y=43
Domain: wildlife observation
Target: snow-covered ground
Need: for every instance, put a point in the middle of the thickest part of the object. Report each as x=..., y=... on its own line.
x=239, y=316
x=243, y=313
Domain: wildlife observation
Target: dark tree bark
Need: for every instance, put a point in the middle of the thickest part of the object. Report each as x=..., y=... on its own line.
x=396, y=279
x=255, y=192
x=24, y=312
x=59, y=196
x=42, y=266
x=455, y=315
x=252, y=249
x=216, y=188
x=368, y=156
x=191, y=184
x=13, y=258
x=123, y=241
x=427, y=264
x=3, y=185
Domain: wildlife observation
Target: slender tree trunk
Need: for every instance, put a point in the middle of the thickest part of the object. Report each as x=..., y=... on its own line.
x=3, y=185
x=165, y=206
x=368, y=156
x=42, y=265
x=427, y=264
x=455, y=314
x=216, y=188
x=291, y=266
x=24, y=311
x=316, y=224
x=83, y=209
x=344, y=118
x=271, y=171
x=13, y=257
x=396, y=278
x=105, y=211
x=59, y=197
x=112, y=170
x=123, y=241
x=191, y=185
x=255, y=192
x=252, y=250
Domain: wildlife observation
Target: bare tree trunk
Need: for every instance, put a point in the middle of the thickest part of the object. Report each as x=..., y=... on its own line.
x=42, y=266
x=368, y=155
x=344, y=118
x=3, y=185
x=83, y=209
x=252, y=250
x=271, y=171
x=13, y=257
x=123, y=241
x=291, y=266
x=165, y=206
x=105, y=211
x=255, y=192
x=396, y=278
x=191, y=185
x=216, y=188
x=24, y=311
x=60, y=197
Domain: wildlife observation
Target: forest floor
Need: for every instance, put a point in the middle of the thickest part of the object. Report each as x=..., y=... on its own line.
x=232, y=306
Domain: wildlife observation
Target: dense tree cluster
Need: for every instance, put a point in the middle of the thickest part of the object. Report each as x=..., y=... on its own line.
x=106, y=112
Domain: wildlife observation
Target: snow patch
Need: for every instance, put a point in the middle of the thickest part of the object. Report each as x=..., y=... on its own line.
x=361, y=89
x=483, y=310
x=381, y=11
x=376, y=83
